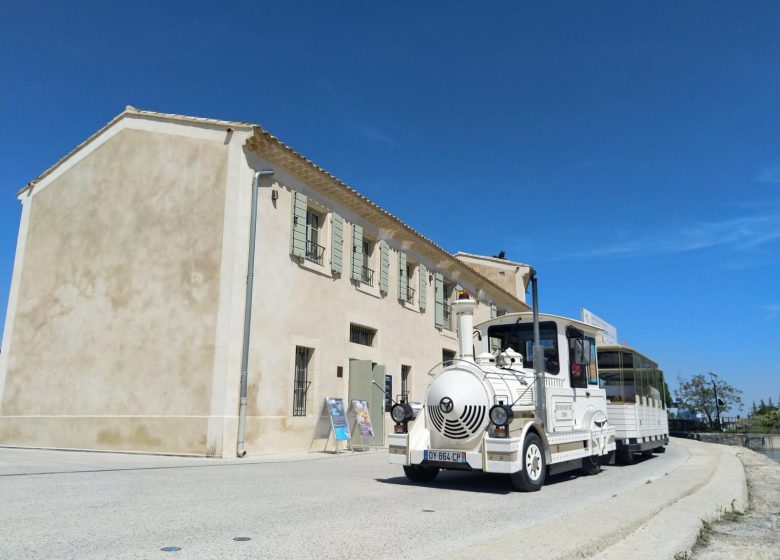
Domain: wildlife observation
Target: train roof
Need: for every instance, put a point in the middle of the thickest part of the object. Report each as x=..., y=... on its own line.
x=542, y=317
x=622, y=348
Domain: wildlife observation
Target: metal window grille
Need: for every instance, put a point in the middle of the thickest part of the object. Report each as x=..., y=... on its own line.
x=405, y=370
x=409, y=294
x=301, y=382
x=367, y=276
x=314, y=252
x=361, y=335
x=447, y=316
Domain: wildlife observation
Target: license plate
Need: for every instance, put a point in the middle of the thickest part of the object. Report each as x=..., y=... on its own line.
x=444, y=456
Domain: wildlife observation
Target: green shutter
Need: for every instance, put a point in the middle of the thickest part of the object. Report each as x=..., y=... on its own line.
x=357, y=252
x=298, y=227
x=421, y=295
x=336, y=242
x=438, y=292
x=493, y=310
x=384, y=267
x=403, y=279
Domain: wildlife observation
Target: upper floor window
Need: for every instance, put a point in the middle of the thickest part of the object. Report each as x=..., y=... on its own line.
x=410, y=277
x=314, y=249
x=362, y=257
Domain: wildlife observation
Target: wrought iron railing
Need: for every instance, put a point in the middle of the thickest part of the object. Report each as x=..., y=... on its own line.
x=314, y=252
x=409, y=294
x=366, y=276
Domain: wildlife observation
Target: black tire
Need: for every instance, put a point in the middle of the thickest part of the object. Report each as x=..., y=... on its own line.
x=625, y=457
x=661, y=449
x=591, y=465
x=609, y=459
x=533, y=468
x=420, y=474
x=647, y=453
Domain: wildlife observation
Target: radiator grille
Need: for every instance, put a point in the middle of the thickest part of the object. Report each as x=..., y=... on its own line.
x=464, y=427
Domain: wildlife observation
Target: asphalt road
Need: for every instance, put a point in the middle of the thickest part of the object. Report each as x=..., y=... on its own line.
x=57, y=505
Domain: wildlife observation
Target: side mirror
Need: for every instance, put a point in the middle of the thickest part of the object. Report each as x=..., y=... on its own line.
x=581, y=351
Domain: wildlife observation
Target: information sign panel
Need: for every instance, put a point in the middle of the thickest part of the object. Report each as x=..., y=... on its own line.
x=338, y=419
x=363, y=419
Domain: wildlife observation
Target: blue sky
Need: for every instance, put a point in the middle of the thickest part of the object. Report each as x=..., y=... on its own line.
x=627, y=150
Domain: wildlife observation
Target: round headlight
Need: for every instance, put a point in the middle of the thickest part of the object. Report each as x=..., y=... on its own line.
x=398, y=413
x=500, y=414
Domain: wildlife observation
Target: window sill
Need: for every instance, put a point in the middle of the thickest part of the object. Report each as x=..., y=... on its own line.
x=448, y=334
x=314, y=267
x=410, y=306
x=366, y=289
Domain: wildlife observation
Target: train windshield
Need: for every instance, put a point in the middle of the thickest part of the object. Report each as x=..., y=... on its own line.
x=520, y=338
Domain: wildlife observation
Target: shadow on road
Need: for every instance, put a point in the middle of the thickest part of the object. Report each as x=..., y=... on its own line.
x=459, y=480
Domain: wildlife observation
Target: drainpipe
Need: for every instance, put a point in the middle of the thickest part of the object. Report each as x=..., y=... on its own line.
x=250, y=273
x=541, y=393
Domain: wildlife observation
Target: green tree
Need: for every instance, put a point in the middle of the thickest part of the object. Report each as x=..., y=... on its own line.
x=667, y=395
x=698, y=396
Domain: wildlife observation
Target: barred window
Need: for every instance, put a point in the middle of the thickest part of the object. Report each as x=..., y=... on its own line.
x=405, y=371
x=361, y=335
x=301, y=383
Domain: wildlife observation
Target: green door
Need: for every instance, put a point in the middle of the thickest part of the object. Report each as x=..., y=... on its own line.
x=366, y=380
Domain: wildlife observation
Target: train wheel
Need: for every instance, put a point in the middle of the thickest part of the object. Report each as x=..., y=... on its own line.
x=591, y=465
x=533, y=469
x=420, y=474
x=661, y=449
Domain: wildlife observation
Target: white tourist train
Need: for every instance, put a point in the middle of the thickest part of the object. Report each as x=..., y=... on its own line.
x=528, y=404
x=636, y=406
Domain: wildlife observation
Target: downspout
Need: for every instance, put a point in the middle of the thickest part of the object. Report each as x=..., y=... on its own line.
x=541, y=392
x=250, y=274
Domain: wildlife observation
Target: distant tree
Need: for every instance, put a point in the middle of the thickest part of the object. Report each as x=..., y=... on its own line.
x=754, y=409
x=771, y=404
x=667, y=395
x=698, y=396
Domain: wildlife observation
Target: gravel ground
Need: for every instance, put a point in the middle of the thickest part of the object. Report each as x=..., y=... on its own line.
x=756, y=533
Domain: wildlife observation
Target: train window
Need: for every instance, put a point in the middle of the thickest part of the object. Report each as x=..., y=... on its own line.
x=608, y=359
x=593, y=376
x=520, y=338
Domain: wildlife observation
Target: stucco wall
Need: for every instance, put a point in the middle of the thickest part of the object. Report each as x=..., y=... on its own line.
x=115, y=317
x=297, y=303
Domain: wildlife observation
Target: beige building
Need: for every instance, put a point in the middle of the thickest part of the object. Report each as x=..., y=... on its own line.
x=125, y=321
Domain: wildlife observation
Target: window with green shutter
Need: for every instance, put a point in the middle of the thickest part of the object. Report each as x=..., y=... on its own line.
x=438, y=294
x=336, y=242
x=493, y=310
x=423, y=292
x=403, y=278
x=384, y=267
x=298, y=226
x=357, y=252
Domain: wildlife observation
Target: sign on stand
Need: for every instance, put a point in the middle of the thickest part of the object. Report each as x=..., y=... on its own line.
x=336, y=425
x=361, y=419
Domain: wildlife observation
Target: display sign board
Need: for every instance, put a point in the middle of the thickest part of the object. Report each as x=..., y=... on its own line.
x=608, y=333
x=388, y=392
x=338, y=419
x=363, y=419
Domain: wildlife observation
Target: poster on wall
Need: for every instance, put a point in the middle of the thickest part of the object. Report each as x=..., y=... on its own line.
x=388, y=392
x=338, y=419
x=363, y=418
